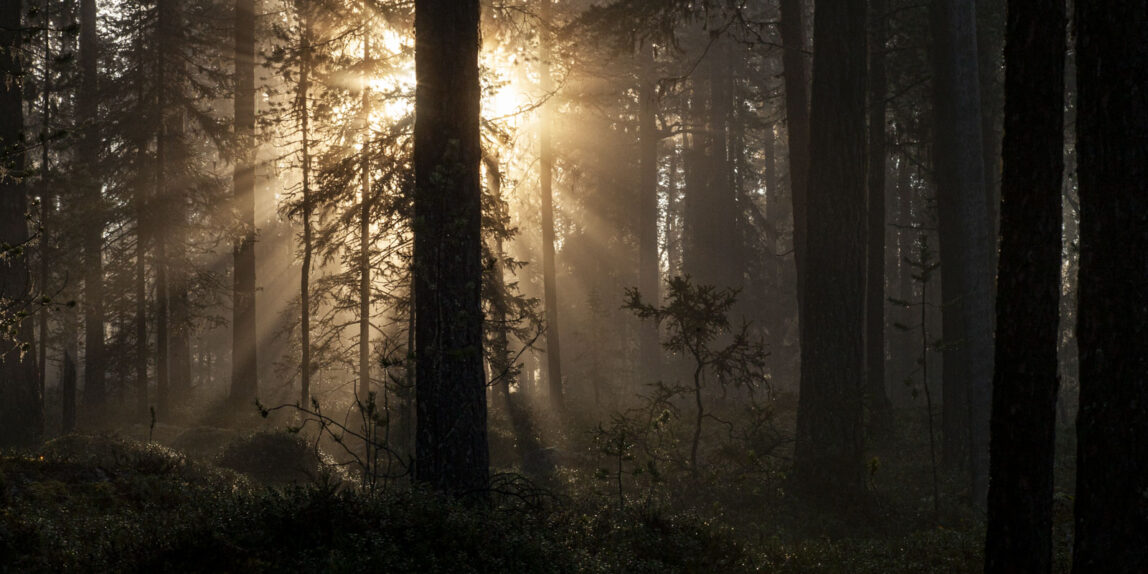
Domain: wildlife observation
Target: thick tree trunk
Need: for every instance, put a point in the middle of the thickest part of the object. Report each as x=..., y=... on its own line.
x=546, y=168
x=827, y=455
x=244, y=374
x=20, y=412
x=878, y=398
x=966, y=247
x=1019, y=537
x=1112, y=424
x=451, y=450
x=88, y=150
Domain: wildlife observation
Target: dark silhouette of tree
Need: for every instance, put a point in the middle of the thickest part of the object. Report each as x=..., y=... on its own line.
x=1019, y=537
x=827, y=455
x=450, y=449
x=1112, y=152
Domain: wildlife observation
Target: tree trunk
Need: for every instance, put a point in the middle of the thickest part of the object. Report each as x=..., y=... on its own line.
x=546, y=168
x=139, y=206
x=88, y=151
x=175, y=212
x=1112, y=424
x=827, y=455
x=878, y=398
x=20, y=410
x=47, y=201
x=1023, y=439
x=650, y=350
x=966, y=276
x=712, y=243
x=244, y=374
x=68, y=395
x=304, y=110
x=792, y=31
x=365, y=233
x=162, y=199
x=451, y=451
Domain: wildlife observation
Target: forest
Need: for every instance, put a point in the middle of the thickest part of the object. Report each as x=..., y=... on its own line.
x=574, y=286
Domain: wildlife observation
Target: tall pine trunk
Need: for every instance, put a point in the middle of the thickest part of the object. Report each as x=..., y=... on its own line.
x=365, y=232
x=546, y=168
x=244, y=374
x=878, y=398
x=450, y=445
x=304, y=111
x=827, y=454
x=648, y=264
x=88, y=151
x=792, y=29
x=1019, y=537
x=1112, y=154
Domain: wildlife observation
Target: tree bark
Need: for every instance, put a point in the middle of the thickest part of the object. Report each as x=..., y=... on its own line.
x=1023, y=439
x=244, y=374
x=451, y=450
x=1112, y=424
x=827, y=455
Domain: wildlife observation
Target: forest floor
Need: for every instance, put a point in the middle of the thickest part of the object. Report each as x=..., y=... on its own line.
x=267, y=504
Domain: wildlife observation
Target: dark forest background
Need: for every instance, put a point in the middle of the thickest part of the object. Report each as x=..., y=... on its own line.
x=625, y=285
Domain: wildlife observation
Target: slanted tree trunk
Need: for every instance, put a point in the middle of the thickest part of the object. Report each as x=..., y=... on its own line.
x=966, y=247
x=827, y=455
x=244, y=374
x=546, y=168
x=20, y=412
x=88, y=150
x=878, y=398
x=1112, y=325
x=451, y=451
x=1019, y=537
